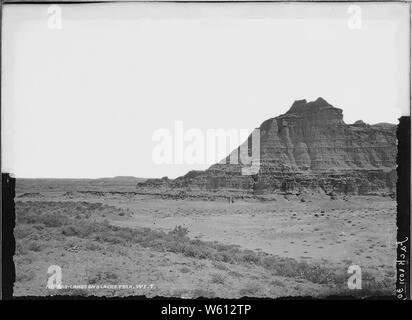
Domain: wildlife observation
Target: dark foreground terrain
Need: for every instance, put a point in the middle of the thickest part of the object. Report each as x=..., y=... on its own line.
x=106, y=233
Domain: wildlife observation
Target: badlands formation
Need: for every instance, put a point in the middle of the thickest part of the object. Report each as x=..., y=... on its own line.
x=309, y=149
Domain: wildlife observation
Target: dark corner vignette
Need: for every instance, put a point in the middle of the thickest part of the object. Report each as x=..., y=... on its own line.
x=8, y=273
x=403, y=191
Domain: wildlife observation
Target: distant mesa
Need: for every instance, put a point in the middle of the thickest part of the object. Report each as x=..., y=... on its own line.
x=121, y=179
x=307, y=149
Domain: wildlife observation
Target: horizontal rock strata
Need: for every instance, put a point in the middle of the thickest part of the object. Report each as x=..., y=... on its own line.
x=307, y=149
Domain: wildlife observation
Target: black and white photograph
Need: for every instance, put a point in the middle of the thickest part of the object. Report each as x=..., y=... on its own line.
x=205, y=150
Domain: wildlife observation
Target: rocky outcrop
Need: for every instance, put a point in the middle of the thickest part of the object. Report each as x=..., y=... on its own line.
x=307, y=149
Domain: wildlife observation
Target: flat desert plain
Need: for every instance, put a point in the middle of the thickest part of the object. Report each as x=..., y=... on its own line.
x=105, y=233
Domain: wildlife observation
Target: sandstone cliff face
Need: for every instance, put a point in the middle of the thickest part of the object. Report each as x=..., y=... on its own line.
x=308, y=149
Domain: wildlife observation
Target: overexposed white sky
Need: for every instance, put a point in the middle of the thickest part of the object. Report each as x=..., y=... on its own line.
x=83, y=101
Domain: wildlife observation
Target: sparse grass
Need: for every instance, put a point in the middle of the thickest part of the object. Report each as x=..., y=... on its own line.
x=277, y=283
x=23, y=231
x=184, y=270
x=40, y=218
x=23, y=259
x=57, y=213
x=218, y=278
x=35, y=246
x=219, y=265
x=235, y=274
x=250, y=290
x=202, y=293
x=53, y=219
x=25, y=276
x=180, y=293
x=179, y=231
x=288, y=267
x=93, y=246
x=103, y=277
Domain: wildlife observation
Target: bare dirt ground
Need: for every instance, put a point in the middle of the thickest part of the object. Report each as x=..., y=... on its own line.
x=276, y=248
